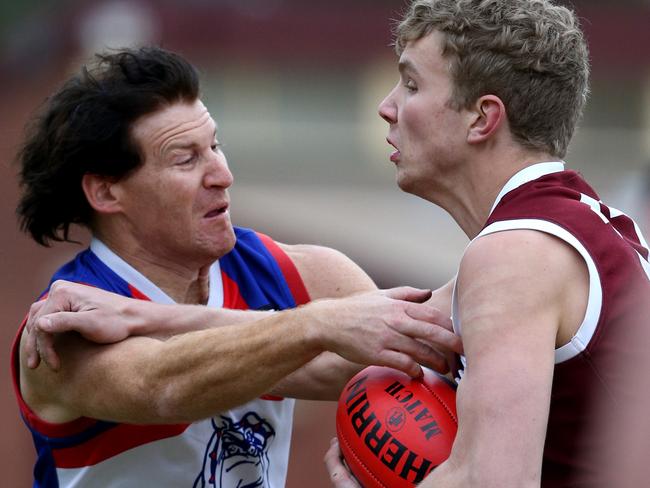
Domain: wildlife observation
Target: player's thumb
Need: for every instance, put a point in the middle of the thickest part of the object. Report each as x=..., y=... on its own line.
x=409, y=294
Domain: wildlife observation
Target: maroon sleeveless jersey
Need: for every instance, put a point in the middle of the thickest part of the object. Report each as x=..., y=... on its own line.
x=595, y=373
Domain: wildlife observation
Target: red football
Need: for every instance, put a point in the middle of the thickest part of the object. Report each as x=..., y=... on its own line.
x=392, y=429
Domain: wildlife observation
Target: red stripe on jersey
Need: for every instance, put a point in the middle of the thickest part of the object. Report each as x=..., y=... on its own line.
x=137, y=293
x=271, y=398
x=112, y=442
x=66, y=429
x=291, y=275
x=15, y=371
x=231, y=296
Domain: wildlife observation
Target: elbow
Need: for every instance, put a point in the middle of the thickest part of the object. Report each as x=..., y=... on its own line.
x=180, y=398
x=166, y=403
x=500, y=476
x=488, y=473
x=162, y=398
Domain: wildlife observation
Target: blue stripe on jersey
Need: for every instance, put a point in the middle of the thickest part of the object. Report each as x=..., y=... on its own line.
x=260, y=280
x=87, y=268
x=45, y=470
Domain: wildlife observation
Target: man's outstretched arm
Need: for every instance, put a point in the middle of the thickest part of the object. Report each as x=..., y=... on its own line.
x=326, y=274
x=190, y=376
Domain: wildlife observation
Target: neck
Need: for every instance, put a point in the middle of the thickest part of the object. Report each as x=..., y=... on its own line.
x=183, y=283
x=469, y=194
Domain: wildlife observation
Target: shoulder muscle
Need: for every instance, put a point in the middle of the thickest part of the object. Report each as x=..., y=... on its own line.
x=327, y=273
x=530, y=274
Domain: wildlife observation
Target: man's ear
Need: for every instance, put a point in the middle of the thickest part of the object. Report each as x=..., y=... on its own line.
x=100, y=193
x=489, y=115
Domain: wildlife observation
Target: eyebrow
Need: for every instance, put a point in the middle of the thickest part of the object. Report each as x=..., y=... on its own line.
x=189, y=145
x=406, y=65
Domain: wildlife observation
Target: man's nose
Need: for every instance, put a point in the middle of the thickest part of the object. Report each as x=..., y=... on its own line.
x=217, y=172
x=388, y=109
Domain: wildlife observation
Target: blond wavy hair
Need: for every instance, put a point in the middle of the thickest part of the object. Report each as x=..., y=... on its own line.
x=530, y=53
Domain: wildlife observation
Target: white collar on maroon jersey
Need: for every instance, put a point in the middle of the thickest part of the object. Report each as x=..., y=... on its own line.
x=144, y=285
x=527, y=174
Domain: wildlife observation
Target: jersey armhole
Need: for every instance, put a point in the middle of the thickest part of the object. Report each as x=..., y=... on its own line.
x=33, y=421
x=587, y=329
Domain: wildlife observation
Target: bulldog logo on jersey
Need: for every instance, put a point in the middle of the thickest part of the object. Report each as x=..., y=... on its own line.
x=237, y=453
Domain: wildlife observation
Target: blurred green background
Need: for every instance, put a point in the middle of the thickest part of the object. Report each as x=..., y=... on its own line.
x=294, y=86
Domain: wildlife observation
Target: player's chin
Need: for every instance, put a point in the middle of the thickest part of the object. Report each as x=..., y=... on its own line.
x=404, y=182
x=217, y=244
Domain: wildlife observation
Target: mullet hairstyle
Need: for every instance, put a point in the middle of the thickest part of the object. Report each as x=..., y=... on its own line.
x=85, y=128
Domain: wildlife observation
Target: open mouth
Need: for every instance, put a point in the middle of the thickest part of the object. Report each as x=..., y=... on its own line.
x=216, y=212
x=395, y=155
